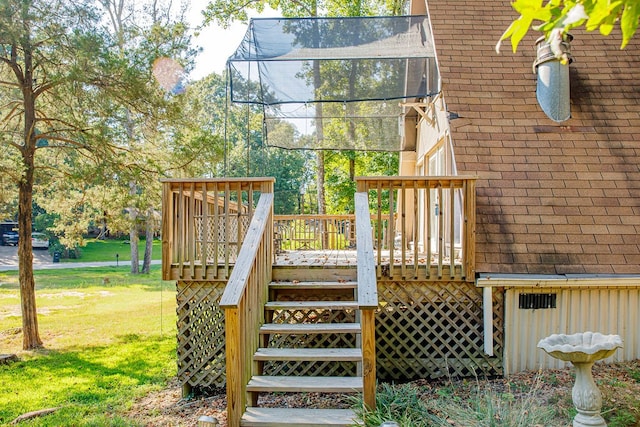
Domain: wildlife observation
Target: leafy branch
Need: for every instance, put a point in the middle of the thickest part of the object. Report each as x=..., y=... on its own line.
x=556, y=18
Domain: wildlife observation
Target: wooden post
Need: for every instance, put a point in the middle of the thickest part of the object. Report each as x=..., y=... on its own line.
x=368, y=324
x=236, y=398
x=168, y=216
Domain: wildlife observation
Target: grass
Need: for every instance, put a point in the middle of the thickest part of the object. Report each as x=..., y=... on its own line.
x=106, y=250
x=409, y=406
x=525, y=399
x=109, y=338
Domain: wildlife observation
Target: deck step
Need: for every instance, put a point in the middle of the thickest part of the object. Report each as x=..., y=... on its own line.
x=313, y=285
x=294, y=384
x=310, y=328
x=297, y=417
x=309, y=354
x=310, y=305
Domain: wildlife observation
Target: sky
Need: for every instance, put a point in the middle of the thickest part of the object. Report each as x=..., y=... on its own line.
x=217, y=43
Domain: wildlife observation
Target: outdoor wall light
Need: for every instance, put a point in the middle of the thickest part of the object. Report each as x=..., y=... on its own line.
x=553, y=78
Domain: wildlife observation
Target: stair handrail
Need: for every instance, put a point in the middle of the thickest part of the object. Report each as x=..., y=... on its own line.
x=243, y=300
x=367, y=297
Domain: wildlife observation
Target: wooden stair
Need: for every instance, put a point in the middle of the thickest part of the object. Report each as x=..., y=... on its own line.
x=259, y=416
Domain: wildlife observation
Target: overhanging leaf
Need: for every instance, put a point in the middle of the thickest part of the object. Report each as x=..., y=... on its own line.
x=629, y=21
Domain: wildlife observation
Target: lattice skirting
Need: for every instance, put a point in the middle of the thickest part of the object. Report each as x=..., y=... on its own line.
x=430, y=330
x=423, y=330
x=201, y=350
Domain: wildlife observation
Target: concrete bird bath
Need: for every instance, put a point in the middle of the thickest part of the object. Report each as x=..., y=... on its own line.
x=583, y=350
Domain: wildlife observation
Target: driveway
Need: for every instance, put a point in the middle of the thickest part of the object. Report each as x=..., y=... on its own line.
x=9, y=256
x=43, y=261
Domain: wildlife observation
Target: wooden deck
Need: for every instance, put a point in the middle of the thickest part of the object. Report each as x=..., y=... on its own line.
x=385, y=276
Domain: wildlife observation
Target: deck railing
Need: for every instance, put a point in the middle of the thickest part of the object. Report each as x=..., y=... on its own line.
x=314, y=232
x=423, y=226
x=204, y=222
x=319, y=232
x=243, y=301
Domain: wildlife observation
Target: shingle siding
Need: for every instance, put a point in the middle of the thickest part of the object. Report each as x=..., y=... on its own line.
x=552, y=198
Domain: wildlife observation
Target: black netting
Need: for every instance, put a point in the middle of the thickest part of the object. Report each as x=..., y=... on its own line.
x=335, y=83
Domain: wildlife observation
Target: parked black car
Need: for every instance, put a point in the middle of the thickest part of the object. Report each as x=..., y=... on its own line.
x=10, y=238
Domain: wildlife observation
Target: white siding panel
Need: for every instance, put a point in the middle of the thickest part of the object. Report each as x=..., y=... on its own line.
x=608, y=310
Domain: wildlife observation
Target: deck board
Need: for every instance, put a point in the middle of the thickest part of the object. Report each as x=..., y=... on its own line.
x=309, y=354
x=301, y=417
x=297, y=384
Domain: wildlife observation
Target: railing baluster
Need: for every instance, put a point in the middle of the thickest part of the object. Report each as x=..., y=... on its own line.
x=438, y=238
x=197, y=218
x=429, y=224
x=181, y=232
x=440, y=217
x=452, y=230
x=391, y=238
x=463, y=230
x=227, y=225
x=216, y=226
x=191, y=245
x=403, y=230
x=204, y=242
x=416, y=230
x=379, y=230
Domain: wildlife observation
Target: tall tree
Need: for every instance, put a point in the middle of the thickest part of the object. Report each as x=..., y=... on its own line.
x=61, y=79
x=146, y=33
x=43, y=47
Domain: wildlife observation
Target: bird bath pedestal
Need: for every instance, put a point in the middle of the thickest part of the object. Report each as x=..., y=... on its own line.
x=583, y=350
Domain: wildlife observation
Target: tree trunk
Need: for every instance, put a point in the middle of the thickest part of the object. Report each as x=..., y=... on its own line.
x=133, y=231
x=322, y=207
x=148, y=247
x=133, y=241
x=30, y=335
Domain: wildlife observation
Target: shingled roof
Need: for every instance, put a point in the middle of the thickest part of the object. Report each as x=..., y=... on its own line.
x=551, y=198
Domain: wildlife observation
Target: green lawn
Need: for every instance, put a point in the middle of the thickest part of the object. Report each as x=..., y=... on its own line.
x=109, y=338
x=106, y=250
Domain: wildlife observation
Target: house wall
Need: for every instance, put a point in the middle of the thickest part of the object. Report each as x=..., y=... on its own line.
x=606, y=306
x=553, y=199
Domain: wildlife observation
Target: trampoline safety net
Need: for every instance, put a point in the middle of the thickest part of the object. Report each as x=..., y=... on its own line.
x=335, y=83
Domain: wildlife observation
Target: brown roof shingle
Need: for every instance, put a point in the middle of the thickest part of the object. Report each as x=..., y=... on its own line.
x=552, y=198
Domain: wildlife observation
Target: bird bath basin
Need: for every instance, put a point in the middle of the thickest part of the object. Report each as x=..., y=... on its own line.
x=583, y=350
